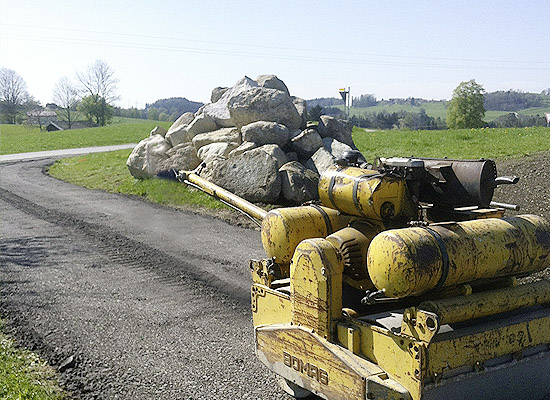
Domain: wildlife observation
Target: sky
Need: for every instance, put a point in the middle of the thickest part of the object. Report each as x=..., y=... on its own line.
x=184, y=48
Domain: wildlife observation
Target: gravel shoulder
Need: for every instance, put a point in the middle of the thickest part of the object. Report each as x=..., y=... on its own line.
x=136, y=301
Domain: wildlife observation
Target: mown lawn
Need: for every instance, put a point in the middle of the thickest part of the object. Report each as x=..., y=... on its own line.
x=24, y=376
x=458, y=143
x=23, y=138
x=108, y=171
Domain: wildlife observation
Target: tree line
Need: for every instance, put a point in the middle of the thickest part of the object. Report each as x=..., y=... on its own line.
x=383, y=119
x=501, y=100
x=90, y=95
x=161, y=110
x=466, y=109
x=94, y=90
x=515, y=100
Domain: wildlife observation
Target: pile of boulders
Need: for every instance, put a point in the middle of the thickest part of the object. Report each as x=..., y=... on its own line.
x=253, y=139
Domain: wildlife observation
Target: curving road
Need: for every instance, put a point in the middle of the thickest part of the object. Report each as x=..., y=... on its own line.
x=128, y=299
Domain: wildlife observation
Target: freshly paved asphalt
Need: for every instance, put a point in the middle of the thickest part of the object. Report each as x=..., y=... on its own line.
x=129, y=299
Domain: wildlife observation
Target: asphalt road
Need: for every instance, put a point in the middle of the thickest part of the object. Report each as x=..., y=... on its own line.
x=129, y=299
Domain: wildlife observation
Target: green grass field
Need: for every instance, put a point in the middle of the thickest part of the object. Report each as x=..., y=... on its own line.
x=108, y=171
x=24, y=376
x=23, y=138
x=457, y=143
x=436, y=110
x=432, y=109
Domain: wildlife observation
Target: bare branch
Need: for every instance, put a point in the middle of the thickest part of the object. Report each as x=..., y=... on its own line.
x=66, y=96
x=99, y=80
x=13, y=93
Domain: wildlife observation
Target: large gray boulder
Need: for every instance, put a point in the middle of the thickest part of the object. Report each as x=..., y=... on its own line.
x=335, y=147
x=262, y=104
x=320, y=161
x=182, y=157
x=158, y=130
x=210, y=165
x=201, y=124
x=219, y=110
x=183, y=133
x=298, y=183
x=301, y=107
x=336, y=129
x=264, y=132
x=217, y=93
x=306, y=143
x=219, y=149
x=272, y=82
x=177, y=136
x=253, y=175
x=146, y=158
x=177, y=133
x=275, y=152
x=184, y=120
x=220, y=135
x=244, y=146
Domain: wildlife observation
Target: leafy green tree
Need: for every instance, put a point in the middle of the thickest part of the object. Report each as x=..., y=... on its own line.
x=153, y=113
x=100, y=83
x=466, y=109
x=315, y=113
x=365, y=100
x=96, y=109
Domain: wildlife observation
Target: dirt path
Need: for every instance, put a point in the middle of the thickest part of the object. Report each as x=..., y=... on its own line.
x=137, y=301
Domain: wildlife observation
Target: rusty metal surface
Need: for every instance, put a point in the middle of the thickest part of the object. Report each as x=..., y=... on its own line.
x=466, y=308
x=316, y=286
x=284, y=228
x=410, y=261
x=459, y=182
x=366, y=193
x=305, y=358
x=218, y=192
x=472, y=346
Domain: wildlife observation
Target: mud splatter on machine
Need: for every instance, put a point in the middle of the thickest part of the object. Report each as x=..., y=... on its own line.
x=401, y=283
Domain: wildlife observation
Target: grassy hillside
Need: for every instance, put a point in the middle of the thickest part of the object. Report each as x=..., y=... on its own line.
x=432, y=109
x=435, y=110
x=453, y=143
x=23, y=138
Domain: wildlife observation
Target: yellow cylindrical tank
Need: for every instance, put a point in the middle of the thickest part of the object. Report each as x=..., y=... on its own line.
x=411, y=261
x=284, y=228
x=365, y=193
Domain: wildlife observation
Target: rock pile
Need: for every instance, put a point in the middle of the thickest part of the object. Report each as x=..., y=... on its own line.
x=253, y=139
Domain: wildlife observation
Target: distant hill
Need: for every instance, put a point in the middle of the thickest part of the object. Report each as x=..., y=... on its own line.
x=512, y=100
x=496, y=104
x=177, y=105
x=324, y=102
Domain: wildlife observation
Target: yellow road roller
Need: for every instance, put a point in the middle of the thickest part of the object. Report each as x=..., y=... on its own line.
x=403, y=282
